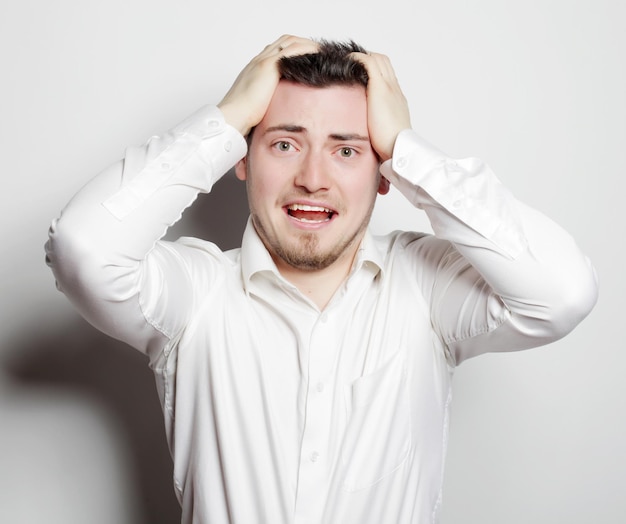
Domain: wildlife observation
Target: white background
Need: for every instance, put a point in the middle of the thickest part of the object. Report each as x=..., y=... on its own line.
x=536, y=88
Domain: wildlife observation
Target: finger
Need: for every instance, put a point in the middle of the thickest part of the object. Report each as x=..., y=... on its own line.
x=285, y=41
x=297, y=49
x=386, y=67
x=286, y=45
x=293, y=45
x=370, y=63
x=377, y=65
x=275, y=47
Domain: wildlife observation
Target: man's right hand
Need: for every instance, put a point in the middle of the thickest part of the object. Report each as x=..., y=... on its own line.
x=247, y=100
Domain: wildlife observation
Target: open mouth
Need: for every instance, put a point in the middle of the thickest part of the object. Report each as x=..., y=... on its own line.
x=310, y=214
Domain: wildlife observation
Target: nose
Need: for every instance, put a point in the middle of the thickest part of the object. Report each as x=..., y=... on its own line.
x=313, y=173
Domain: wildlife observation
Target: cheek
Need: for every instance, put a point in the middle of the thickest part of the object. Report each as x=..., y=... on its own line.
x=263, y=190
x=366, y=185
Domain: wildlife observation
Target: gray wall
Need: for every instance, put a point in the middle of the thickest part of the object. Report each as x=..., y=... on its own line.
x=536, y=88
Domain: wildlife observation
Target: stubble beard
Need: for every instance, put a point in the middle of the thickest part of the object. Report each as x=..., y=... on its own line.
x=303, y=254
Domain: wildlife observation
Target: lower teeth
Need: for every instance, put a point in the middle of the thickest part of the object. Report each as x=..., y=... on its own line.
x=312, y=221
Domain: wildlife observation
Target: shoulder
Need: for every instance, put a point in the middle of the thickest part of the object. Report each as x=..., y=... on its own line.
x=413, y=243
x=197, y=247
x=194, y=255
x=411, y=255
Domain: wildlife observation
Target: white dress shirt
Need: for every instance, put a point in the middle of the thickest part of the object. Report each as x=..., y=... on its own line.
x=277, y=412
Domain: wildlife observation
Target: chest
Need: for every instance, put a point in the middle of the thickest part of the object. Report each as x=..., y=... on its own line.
x=330, y=402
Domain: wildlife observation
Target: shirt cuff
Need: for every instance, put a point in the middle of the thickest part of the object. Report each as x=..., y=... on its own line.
x=207, y=124
x=195, y=153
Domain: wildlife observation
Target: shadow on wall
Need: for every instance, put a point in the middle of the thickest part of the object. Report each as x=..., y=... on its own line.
x=219, y=216
x=84, y=362
x=79, y=359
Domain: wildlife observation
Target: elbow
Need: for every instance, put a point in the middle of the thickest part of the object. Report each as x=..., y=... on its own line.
x=69, y=253
x=576, y=300
x=82, y=266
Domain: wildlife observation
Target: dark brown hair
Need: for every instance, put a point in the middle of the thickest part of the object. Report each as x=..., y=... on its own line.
x=330, y=65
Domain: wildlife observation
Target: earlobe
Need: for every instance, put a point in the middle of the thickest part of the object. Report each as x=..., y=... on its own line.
x=241, y=171
x=383, y=186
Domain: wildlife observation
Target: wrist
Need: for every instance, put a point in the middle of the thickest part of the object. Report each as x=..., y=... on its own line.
x=234, y=118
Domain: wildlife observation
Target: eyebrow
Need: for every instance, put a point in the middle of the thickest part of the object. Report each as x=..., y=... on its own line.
x=339, y=137
x=348, y=137
x=291, y=128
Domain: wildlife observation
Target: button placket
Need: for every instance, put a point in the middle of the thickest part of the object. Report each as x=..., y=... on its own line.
x=314, y=453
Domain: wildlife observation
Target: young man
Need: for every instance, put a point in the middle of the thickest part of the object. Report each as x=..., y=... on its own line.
x=306, y=377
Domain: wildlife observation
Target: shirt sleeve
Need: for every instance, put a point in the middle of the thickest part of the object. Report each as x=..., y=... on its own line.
x=503, y=276
x=105, y=249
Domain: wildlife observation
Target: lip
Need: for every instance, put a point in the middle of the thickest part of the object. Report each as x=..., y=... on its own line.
x=308, y=205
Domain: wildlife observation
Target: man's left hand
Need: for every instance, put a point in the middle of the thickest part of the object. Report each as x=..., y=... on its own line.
x=387, y=107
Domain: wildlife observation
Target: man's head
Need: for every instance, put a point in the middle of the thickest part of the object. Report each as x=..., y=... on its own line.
x=312, y=174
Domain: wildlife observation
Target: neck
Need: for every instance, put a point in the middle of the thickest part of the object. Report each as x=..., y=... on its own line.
x=318, y=285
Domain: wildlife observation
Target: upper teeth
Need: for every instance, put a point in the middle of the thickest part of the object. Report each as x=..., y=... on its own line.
x=305, y=207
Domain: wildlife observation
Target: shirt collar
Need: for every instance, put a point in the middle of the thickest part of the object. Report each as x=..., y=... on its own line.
x=254, y=256
x=255, y=259
x=369, y=255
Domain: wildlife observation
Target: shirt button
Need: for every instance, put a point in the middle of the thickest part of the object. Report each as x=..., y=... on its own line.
x=314, y=456
x=456, y=203
x=228, y=145
x=401, y=162
x=319, y=387
x=213, y=123
x=324, y=318
x=165, y=166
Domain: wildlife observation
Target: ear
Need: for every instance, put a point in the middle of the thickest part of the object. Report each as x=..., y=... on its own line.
x=241, y=169
x=383, y=186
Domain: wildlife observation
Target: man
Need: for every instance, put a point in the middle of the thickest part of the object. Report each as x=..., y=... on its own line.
x=306, y=377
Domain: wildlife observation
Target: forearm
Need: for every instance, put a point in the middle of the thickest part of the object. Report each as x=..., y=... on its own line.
x=99, y=246
x=535, y=272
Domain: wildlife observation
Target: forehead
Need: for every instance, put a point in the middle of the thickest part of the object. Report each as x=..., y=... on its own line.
x=326, y=109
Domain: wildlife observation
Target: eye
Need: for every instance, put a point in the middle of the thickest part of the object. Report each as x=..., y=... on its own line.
x=283, y=146
x=346, y=152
